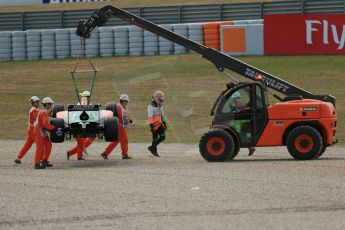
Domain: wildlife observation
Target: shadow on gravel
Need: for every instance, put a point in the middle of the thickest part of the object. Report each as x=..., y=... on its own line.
x=90, y=164
x=283, y=160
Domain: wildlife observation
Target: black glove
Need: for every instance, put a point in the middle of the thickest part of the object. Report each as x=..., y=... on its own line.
x=165, y=126
x=151, y=128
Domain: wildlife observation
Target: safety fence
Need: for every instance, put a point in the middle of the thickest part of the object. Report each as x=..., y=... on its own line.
x=108, y=41
x=29, y=2
x=173, y=14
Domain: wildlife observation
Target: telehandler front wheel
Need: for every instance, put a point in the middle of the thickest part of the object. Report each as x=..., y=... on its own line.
x=304, y=143
x=216, y=145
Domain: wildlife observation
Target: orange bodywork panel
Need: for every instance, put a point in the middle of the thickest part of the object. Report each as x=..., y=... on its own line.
x=284, y=114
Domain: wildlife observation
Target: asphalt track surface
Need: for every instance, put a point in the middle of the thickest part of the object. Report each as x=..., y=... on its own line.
x=179, y=190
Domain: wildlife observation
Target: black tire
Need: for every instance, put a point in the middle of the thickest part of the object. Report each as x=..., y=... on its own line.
x=111, y=129
x=112, y=107
x=58, y=134
x=236, y=152
x=304, y=143
x=323, y=150
x=57, y=108
x=216, y=145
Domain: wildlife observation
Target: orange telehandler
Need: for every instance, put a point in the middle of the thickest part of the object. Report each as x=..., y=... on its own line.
x=242, y=117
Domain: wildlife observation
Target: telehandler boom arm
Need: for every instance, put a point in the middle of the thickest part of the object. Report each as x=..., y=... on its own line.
x=220, y=60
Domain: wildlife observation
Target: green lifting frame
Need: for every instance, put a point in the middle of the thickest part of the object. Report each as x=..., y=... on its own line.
x=75, y=71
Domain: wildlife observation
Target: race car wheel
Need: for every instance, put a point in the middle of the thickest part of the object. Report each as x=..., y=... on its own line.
x=58, y=134
x=57, y=108
x=112, y=107
x=216, y=145
x=304, y=143
x=110, y=129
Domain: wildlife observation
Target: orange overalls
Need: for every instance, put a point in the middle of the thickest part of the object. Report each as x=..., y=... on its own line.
x=123, y=122
x=30, y=139
x=82, y=143
x=43, y=143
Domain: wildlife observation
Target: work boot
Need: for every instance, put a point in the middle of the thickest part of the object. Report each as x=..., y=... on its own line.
x=67, y=155
x=17, y=161
x=81, y=159
x=104, y=156
x=153, y=150
x=126, y=157
x=251, y=151
x=46, y=164
x=38, y=166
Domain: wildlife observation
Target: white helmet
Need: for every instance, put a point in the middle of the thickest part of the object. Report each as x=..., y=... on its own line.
x=34, y=99
x=47, y=100
x=158, y=96
x=85, y=94
x=124, y=97
x=235, y=95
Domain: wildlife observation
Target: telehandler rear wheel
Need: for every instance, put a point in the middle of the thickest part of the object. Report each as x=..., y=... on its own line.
x=304, y=143
x=216, y=145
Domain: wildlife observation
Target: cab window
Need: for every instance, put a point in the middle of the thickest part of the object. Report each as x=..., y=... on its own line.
x=238, y=101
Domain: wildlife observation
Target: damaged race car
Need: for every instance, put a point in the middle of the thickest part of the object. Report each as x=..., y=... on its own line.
x=84, y=120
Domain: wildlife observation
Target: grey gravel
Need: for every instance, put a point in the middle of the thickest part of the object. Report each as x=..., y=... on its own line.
x=178, y=190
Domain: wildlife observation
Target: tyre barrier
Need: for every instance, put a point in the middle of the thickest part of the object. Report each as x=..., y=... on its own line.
x=19, y=45
x=63, y=47
x=33, y=44
x=196, y=33
x=180, y=29
x=165, y=46
x=150, y=43
x=48, y=44
x=5, y=46
x=121, y=40
x=75, y=44
x=92, y=45
x=118, y=41
x=212, y=34
x=106, y=41
x=135, y=41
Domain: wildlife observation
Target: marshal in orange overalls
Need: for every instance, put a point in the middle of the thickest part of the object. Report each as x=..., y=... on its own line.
x=123, y=122
x=30, y=139
x=82, y=144
x=43, y=143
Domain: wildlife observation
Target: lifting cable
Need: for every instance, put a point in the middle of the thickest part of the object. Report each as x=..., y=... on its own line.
x=75, y=71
